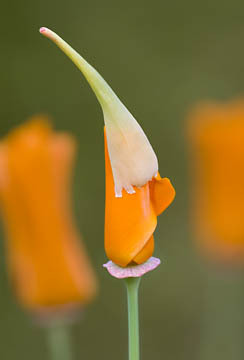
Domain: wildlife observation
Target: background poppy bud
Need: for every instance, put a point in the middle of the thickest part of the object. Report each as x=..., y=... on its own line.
x=47, y=263
x=216, y=133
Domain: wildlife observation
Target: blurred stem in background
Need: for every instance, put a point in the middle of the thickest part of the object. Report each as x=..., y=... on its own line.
x=132, y=286
x=59, y=341
x=223, y=316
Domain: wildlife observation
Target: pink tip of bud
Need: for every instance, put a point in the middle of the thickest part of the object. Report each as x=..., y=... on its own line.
x=42, y=30
x=133, y=270
x=49, y=34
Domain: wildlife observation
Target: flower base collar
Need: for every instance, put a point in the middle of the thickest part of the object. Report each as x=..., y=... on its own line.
x=133, y=270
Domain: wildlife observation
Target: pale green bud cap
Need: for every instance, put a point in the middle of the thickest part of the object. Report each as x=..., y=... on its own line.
x=132, y=158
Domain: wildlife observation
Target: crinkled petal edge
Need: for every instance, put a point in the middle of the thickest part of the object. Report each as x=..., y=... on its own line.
x=133, y=270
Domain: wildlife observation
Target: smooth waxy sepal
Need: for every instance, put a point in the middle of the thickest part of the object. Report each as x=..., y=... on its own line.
x=132, y=158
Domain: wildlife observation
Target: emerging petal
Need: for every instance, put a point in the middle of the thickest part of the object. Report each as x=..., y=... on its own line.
x=132, y=158
x=129, y=222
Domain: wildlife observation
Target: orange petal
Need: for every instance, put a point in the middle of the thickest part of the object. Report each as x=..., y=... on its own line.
x=129, y=221
x=62, y=151
x=146, y=252
x=162, y=193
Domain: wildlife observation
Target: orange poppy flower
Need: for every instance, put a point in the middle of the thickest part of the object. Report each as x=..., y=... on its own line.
x=47, y=263
x=135, y=192
x=217, y=151
x=130, y=220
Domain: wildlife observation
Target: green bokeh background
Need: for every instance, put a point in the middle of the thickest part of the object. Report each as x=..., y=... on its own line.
x=160, y=57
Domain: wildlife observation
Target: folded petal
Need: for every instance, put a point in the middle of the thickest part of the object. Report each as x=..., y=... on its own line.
x=162, y=193
x=146, y=252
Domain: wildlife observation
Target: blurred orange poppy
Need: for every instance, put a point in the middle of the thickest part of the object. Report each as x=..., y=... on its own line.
x=130, y=220
x=47, y=263
x=216, y=133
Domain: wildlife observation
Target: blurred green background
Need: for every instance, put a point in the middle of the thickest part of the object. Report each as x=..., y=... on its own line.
x=160, y=57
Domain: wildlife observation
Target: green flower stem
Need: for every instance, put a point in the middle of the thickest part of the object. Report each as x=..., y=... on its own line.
x=132, y=286
x=59, y=341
